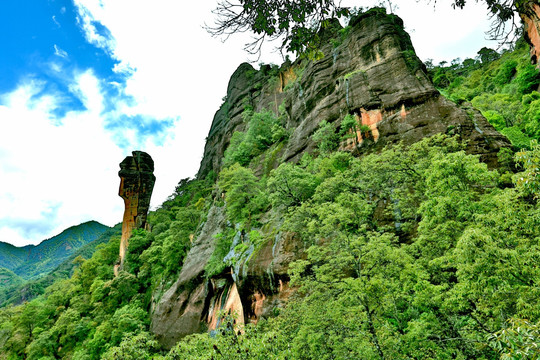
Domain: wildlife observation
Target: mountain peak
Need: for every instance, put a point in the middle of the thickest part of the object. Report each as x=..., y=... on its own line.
x=32, y=261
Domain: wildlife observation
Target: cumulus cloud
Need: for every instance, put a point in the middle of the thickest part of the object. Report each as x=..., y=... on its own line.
x=55, y=174
x=175, y=78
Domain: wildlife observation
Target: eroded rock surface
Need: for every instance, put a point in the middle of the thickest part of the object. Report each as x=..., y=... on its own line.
x=183, y=308
x=136, y=184
x=374, y=74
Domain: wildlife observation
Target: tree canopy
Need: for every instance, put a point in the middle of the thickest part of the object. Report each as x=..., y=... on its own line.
x=298, y=22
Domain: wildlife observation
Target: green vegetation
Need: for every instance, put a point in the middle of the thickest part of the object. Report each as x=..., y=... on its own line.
x=244, y=194
x=9, y=279
x=342, y=35
x=32, y=262
x=353, y=73
x=263, y=130
x=325, y=137
x=414, y=252
x=417, y=252
x=446, y=270
x=95, y=315
x=18, y=293
x=216, y=265
x=297, y=24
x=503, y=87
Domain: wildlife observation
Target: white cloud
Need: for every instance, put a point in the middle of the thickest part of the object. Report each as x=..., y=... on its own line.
x=59, y=52
x=175, y=70
x=60, y=174
x=55, y=21
x=87, y=21
x=173, y=61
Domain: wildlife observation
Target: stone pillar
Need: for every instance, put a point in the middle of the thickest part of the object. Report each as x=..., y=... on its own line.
x=136, y=184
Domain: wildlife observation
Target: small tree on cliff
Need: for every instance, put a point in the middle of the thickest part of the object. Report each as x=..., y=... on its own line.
x=298, y=22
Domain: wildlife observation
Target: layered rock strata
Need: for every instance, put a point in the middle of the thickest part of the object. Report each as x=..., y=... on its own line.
x=136, y=184
x=372, y=73
x=369, y=70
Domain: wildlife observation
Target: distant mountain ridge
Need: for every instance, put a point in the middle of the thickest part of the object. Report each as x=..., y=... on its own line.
x=14, y=290
x=33, y=261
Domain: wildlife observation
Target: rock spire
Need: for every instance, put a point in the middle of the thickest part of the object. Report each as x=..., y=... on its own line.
x=136, y=184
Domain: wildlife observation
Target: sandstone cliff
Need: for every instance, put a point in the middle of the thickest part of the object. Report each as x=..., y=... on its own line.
x=369, y=70
x=373, y=73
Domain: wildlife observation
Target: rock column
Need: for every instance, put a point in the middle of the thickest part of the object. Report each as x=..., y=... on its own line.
x=136, y=184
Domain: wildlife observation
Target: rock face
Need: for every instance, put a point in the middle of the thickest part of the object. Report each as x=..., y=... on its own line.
x=531, y=20
x=136, y=184
x=183, y=308
x=192, y=303
x=372, y=73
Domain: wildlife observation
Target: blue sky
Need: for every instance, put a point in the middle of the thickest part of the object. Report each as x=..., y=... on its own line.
x=85, y=82
x=37, y=34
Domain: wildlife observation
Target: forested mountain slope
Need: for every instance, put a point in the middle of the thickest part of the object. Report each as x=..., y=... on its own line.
x=33, y=261
x=8, y=278
x=18, y=291
x=344, y=209
x=503, y=87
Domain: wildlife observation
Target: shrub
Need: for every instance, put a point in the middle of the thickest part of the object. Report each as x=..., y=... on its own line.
x=238, y=151
x=216, y=265
x=495, y=119
x=516, y=137
x=506, y=72
x=325, y=137
x=348, y=124
x=528, y=79
x=441, y=81
x=263, y=130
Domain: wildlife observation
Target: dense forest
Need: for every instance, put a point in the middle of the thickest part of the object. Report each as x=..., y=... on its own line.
x=32, y=262
x=15, y=290
x=501, y=86
x=412, y=252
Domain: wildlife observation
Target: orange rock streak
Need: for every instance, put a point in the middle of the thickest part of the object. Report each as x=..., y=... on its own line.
x=257, y=306
x=232, y=305
x=532, y=27
x=131, y=203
